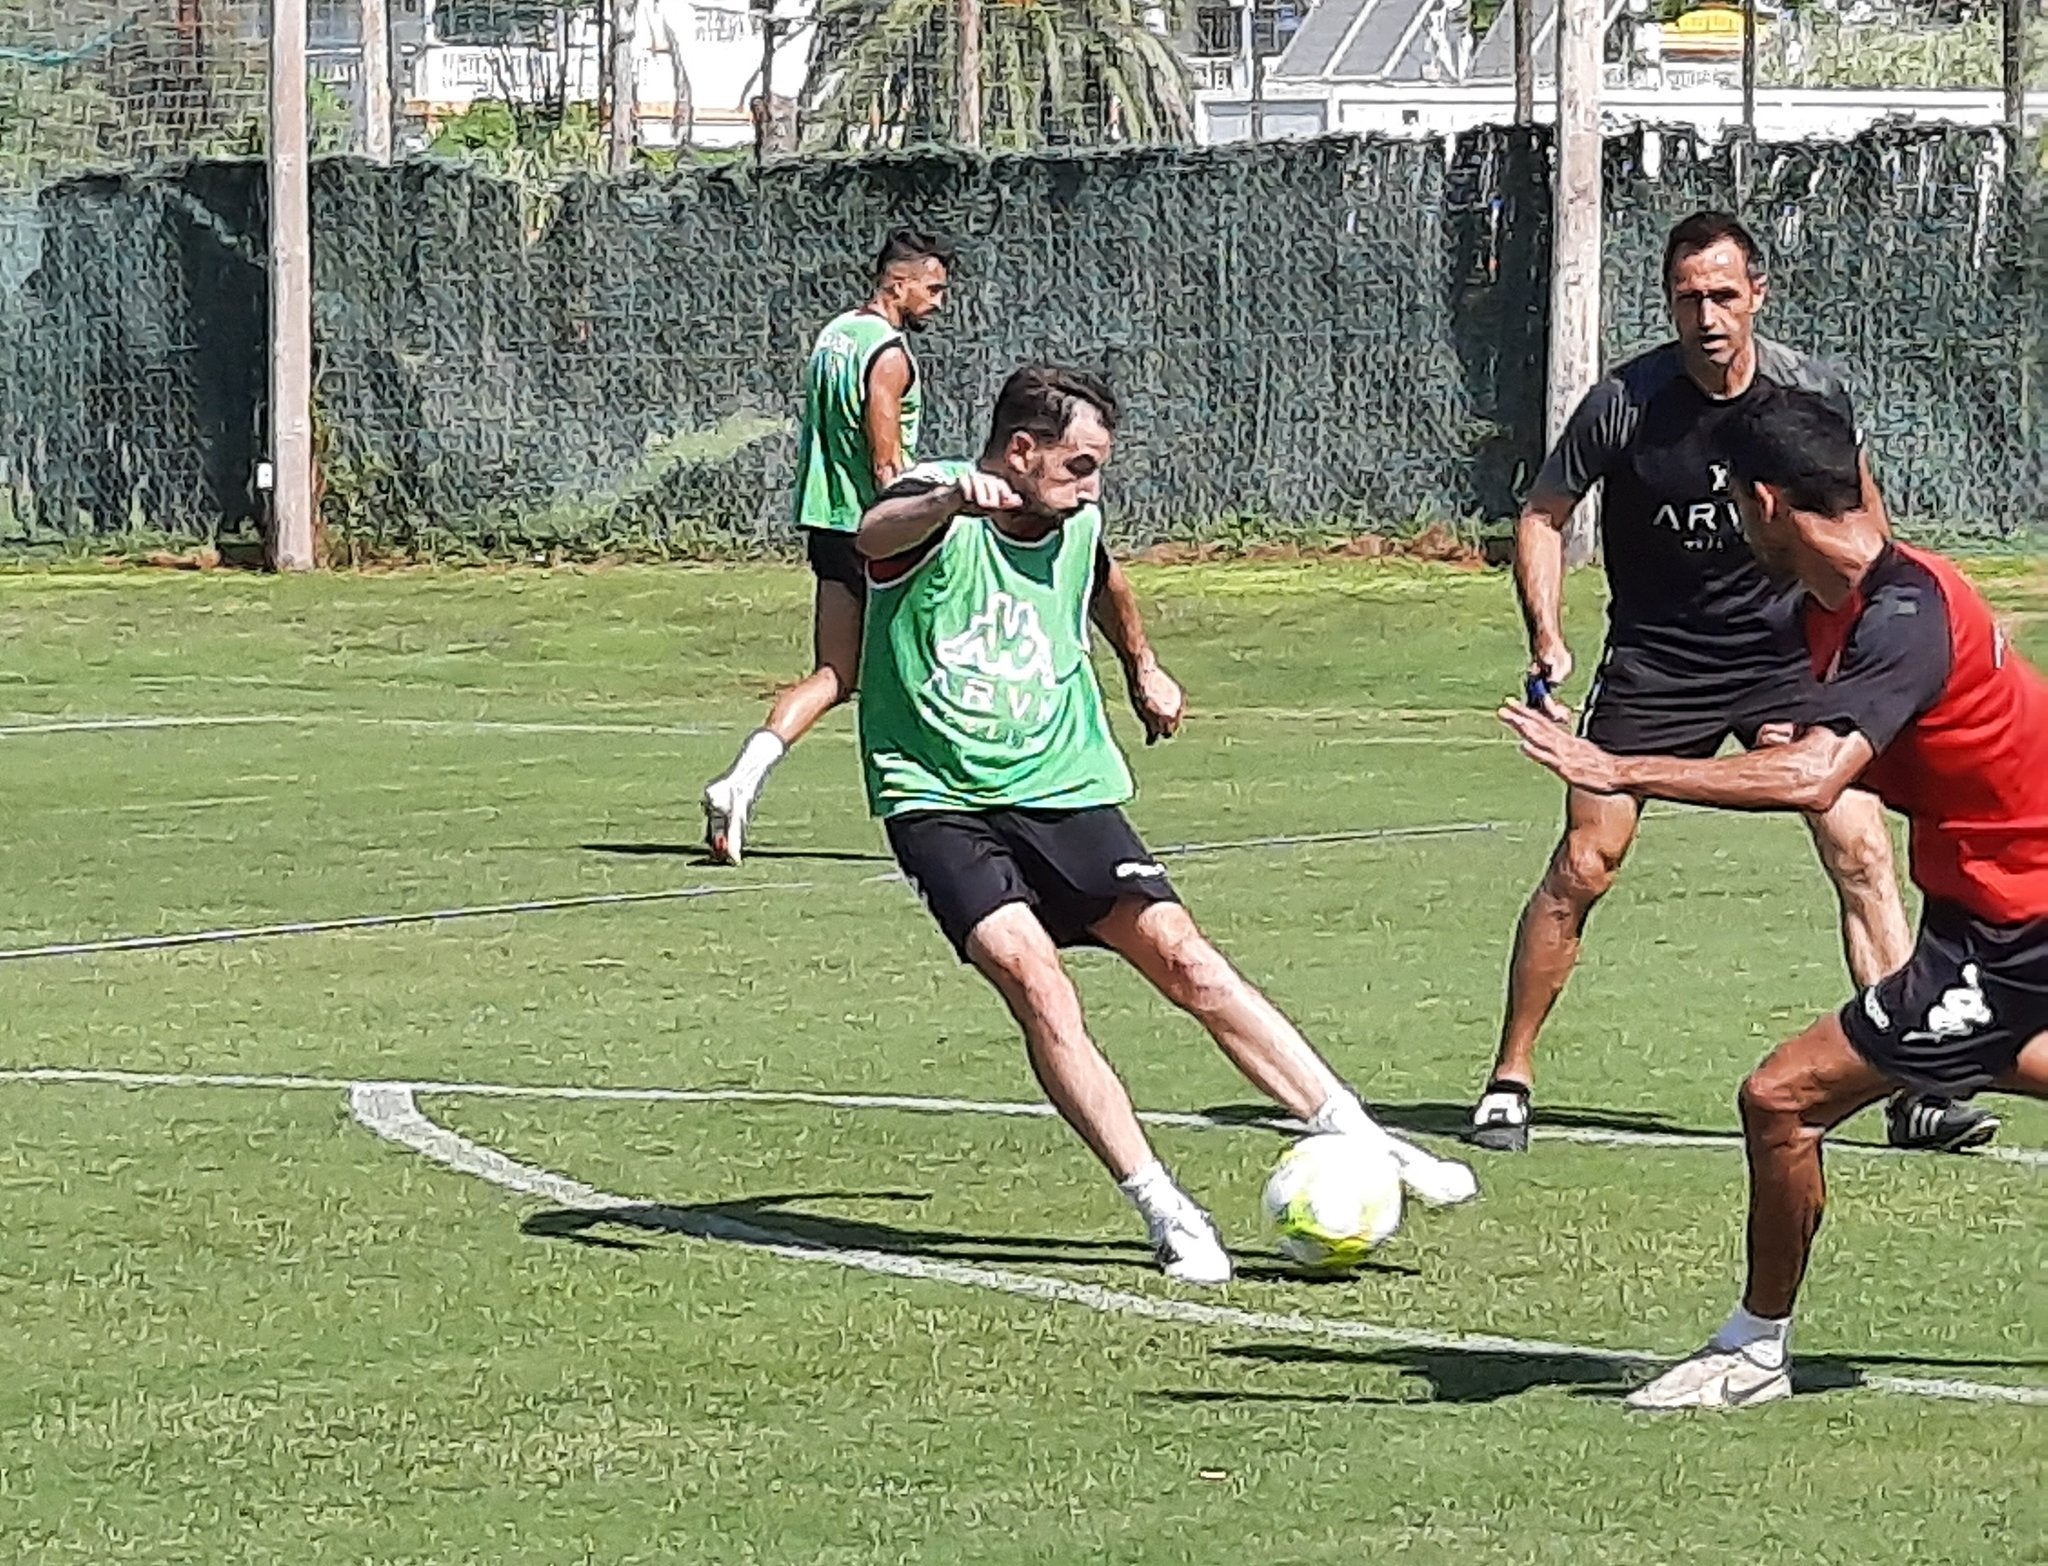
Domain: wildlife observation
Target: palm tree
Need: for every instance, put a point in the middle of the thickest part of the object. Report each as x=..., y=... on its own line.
x=884, y=73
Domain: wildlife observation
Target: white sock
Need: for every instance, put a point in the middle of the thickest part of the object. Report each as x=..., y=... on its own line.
x=757, y=759
x=1759, y=1337
x=1343, y=1115
x=1153, y=1191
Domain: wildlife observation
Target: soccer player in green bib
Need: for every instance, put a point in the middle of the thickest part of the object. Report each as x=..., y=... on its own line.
x=989, y=759
x=862, y=406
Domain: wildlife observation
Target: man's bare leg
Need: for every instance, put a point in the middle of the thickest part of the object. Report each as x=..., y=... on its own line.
x=835, y=637
x=1016, y=955
x=1805, y=1088
x=1162, y=941
x=1598, y=831
x=1855, y=847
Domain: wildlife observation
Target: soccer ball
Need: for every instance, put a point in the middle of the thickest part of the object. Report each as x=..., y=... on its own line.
x=1332, y=1199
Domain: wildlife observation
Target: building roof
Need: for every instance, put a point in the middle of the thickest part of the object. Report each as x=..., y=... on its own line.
x=1414, y=41
x=1376, y=40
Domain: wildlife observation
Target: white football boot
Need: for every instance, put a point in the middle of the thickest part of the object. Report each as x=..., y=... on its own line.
x=726, y=806
x=1187, y=1246
x=1440, y=1182
x=1715, y=1378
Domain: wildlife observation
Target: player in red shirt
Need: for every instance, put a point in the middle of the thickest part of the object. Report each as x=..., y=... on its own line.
x=1920, y=699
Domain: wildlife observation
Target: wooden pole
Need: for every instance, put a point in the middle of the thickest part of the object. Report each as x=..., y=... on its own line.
x=291, y=296
x=1525, y=61
x=1254, y=69
x=1575, y=236
x=2012, y=63
x=625, y=89
x=1749, y=69
x=764, y=110
x=376, y=68
x=968, y=117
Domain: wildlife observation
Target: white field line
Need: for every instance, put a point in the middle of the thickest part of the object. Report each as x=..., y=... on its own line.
x=316, y=719
x=29, y=728
x=251, y=932
x=391, y=1111
x=1590, y=1136
x=165, y=942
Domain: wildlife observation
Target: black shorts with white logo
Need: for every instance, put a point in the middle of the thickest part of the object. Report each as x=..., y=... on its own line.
x=1070, y=866
x=1639, y=708
x=1956, y=1017
x=834, y=559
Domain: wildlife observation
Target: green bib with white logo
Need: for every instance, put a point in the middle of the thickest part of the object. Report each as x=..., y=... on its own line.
x=976, y=692
x=835, y=470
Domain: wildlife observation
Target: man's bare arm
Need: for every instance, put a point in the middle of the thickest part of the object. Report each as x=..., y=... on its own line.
x=1539, y=580
x=1808, y=773
x=896, y=524
x=882, y=418
x=1155, y=697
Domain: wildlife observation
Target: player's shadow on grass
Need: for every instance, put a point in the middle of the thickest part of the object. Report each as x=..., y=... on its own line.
x=1442, y=1119
x=1488, y=1375
x=772, y=1220
x=697, y=854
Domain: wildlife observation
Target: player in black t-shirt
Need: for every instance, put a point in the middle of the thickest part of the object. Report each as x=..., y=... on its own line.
x=1701, y=647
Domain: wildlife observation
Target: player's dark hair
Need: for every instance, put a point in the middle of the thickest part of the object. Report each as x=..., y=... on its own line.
x=1704, y=230
x=912, y=244
x=1042, y=399
x=1798, y=443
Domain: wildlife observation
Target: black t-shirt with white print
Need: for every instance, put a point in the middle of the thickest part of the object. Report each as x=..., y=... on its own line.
x=1685, y=592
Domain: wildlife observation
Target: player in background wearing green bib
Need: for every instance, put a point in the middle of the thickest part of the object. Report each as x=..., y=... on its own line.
x=989, y=759
x=862, y=406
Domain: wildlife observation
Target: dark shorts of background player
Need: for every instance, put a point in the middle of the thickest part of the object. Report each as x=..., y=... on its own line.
x=1638, y=708
x=834, y=559
x=1955, y=1018
x=1070, y=866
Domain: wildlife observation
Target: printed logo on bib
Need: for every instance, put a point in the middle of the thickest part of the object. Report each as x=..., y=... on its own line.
x=1000, y=666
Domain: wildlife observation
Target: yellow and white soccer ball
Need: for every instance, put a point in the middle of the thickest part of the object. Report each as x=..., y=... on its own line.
x=1333, y=1199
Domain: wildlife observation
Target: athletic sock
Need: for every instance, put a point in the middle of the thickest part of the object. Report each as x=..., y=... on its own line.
x=1154, y=1192
x=1343, y=1115
x=1503, y=1103
x=757, y=759
x=1760, y=1338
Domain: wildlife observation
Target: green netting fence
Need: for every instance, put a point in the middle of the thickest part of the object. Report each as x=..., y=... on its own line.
x=1315, y=336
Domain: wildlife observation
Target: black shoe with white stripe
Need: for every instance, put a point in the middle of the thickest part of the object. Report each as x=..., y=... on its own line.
x=1500, y=1122
x=1937, y=1125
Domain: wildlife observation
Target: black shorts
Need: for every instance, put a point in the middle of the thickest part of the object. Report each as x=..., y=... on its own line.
x=834, y=559
x=1637, y=708
x=1070, y=866
x=1956, y=1017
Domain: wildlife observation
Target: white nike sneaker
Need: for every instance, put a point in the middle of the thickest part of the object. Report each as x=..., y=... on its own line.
x=1187, y=1246
x=725, y=820
x=1715, y=1378
x=1441, y=1182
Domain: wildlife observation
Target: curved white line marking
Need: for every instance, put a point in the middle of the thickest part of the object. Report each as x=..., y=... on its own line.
x=391, y=1110
x=1588, y=1136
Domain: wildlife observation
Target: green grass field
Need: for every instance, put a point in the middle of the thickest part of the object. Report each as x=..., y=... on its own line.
x=244, y=1328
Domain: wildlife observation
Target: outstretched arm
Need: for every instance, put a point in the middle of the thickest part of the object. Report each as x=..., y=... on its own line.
x=1808, y=773
x=1155, y=697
